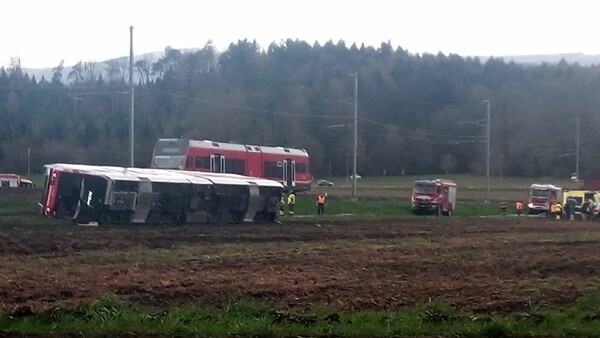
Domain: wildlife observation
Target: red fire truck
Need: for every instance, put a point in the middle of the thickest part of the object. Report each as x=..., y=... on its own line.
x=541, y=197
x=434, y=197
x=288, y=166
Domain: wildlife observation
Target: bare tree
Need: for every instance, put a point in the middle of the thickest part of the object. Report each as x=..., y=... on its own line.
x=114, y=71
x=57, y=72
x=143, y=70
x=76, y=73
x=208, y=58
x=448, y=163
x=15, y=67
x=90, y=72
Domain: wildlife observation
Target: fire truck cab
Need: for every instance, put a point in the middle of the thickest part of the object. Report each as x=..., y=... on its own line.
x=541, y=197
x=434, y=197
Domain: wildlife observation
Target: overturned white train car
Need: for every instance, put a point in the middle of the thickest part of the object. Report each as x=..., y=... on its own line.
x=104, y=194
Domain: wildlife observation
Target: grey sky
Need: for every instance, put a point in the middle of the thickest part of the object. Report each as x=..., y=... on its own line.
x=42, y=32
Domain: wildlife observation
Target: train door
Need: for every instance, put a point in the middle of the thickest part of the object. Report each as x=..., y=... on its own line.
x=289, y=173
x=217, y=163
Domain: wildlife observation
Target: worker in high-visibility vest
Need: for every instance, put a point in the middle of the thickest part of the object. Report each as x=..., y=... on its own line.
x=321, y=200
x=282, y=202
x=503, y=207
x=291, y=202
x=519, y=206
x=556, y=210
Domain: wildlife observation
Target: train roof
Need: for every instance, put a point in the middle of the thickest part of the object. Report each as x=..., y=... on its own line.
x=234, y=179
x=208, y=144
x=224, y=178
x=131, y=174
x=162, y=175
x=284, y=151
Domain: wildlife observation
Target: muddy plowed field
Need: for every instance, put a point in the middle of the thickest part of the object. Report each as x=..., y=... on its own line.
x=492, y=265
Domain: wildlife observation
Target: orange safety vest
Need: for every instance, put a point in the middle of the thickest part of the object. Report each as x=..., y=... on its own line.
x=519, y=205
x=554, y=208
x=321, y=199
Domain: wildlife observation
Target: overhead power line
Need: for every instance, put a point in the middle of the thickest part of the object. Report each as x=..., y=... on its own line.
x=65, y=89
x=248, y=109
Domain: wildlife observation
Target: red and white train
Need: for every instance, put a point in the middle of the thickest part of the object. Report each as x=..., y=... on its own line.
x=103, y=194
x=288, y=166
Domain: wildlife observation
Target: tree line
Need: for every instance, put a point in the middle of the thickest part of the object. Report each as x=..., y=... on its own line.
x=418, y=113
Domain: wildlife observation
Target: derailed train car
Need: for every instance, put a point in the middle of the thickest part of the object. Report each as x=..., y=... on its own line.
x=104, y=194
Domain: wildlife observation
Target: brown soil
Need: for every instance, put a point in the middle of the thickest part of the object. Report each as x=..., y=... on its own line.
x=492, y=265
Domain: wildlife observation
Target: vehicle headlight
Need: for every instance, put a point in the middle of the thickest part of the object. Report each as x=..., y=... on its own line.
x=530, y=205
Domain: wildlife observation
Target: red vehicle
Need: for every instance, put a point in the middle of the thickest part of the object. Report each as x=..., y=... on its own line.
x=288, y=166
x=112, y=195
x=541, y=198
x=434, y=197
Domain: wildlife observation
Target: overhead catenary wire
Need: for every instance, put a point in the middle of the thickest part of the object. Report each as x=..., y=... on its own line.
x=246, y=108
x=76, y=94
x=266, y=111
x=68, y=89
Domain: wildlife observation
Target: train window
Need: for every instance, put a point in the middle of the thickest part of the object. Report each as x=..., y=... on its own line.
x=235, y=166
x=125, y=186
x=286, y=150
x=271, y=169
x=215, y=144
x=257, y=148
x=202, y=162
x=249, y=148
x=301, y=168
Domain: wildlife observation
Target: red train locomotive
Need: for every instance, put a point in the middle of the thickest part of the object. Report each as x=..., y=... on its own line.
x=288, y=166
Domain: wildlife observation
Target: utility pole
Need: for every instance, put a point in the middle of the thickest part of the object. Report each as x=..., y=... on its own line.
x=131, y=131
x=355, y=133
x=488, y=132
x=577, y=142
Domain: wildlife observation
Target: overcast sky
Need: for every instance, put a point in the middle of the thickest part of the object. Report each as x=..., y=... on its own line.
x=43, y=32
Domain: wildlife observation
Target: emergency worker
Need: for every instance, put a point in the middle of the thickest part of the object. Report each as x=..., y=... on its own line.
x=552, y=210
x=570, y=208
x=291, y=202
x=519, y=206
x=591, y=208
x=556, y=210
x=321, y=200
x=282, y=202
x=587, y=209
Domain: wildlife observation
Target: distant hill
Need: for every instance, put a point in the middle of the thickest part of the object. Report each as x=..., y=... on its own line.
x=151, y=57
x=580, y=58
x=47, y=72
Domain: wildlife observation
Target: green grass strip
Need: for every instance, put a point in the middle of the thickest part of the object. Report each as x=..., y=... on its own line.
x=111, y=316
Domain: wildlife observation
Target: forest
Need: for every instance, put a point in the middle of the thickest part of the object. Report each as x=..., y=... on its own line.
x=417, y=113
